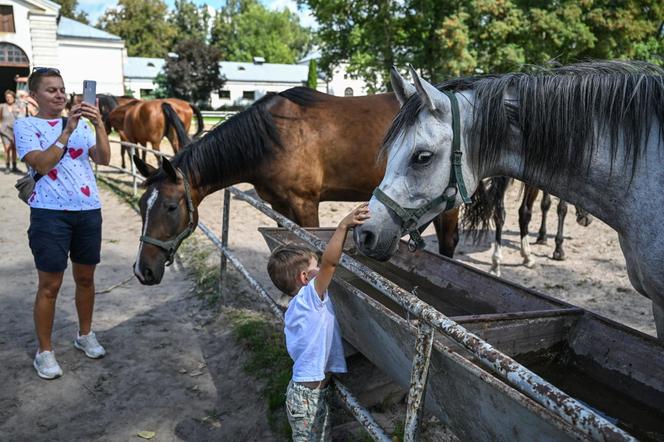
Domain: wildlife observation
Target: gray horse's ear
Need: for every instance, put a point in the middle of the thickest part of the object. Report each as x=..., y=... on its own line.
x=143, y=168
x=169, y=169
x=431, y=97
x=402, y=88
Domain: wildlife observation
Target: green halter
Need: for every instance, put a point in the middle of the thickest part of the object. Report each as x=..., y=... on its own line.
x=410, y=216
x=171, y=245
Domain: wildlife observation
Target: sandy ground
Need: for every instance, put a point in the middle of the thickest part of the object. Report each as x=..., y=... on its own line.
x=174, y=368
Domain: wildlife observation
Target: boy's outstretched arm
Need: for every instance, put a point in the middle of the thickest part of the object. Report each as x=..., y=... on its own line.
x=332, y=254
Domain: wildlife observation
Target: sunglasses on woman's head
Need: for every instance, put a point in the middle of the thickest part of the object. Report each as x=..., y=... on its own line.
x=43, y=70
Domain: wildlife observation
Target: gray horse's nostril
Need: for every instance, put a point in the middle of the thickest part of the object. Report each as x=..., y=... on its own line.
x=368, y=239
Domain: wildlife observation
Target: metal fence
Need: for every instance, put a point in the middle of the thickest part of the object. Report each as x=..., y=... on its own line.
x=575, y=413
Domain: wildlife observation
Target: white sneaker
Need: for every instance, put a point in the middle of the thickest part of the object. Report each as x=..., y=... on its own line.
x=89, y=344
x=46, y=365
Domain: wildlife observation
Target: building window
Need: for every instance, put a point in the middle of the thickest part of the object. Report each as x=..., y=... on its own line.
x=11, y=55
x=348, y=92
x=248, y=95
x=7, y=19
x=225, y=94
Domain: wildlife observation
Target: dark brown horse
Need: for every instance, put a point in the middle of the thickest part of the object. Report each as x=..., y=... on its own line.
x=297, y=148
x=149, y=121
x=489, y=203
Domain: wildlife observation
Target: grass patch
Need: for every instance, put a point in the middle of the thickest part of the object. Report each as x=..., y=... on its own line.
x=268, y=361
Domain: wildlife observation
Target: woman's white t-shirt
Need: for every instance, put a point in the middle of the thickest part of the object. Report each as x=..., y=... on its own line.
x=313, y=337
x=71, y=184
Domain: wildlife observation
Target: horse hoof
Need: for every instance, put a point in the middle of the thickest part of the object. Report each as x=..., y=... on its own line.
x=541, y=241
x=559, y=256
x=529, y=263
x=495, y=272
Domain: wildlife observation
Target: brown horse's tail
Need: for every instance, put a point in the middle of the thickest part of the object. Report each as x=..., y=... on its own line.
x=172, y=119
x=200, y=124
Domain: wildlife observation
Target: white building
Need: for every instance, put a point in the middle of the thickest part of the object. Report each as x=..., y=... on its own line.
x=244, y=82
x=342, y=83
x=32, y=34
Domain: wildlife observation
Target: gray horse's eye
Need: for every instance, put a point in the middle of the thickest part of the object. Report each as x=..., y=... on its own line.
x=422, y=157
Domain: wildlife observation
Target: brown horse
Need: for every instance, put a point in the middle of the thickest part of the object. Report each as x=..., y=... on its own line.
x=297, y=148
x=144, y=122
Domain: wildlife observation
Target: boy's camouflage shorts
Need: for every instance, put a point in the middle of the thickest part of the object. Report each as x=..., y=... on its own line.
x=308, y=412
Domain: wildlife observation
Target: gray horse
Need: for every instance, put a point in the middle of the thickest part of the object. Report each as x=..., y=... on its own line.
x=590, y=133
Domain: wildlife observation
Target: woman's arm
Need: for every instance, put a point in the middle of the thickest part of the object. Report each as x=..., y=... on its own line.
x=101, y=151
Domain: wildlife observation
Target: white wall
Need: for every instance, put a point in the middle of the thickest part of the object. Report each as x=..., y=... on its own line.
x=237, y=88
x=21, y=37
x=82, y=59
x=136, y=84
x=342, y=80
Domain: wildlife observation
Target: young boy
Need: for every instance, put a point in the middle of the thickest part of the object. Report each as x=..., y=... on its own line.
x=313, y=337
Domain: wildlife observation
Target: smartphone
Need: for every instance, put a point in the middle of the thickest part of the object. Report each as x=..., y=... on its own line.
x=90, y=92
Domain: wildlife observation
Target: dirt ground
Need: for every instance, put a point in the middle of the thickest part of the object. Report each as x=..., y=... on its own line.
x=173, y=367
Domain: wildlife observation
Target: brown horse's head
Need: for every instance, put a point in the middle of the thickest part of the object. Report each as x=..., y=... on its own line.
x=169, y=216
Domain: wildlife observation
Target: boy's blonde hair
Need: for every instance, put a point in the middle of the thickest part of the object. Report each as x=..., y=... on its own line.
x=285, y=264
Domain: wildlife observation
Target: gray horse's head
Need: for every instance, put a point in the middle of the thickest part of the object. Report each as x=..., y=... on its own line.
x=419, y=164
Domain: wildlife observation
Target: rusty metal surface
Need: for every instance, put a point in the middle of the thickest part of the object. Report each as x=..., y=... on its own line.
x=547, y=395
x=225, y=221
x=418, y=381
x=360, y=413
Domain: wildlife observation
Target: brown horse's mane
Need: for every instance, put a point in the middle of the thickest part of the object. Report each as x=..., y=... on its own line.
x=243, y=142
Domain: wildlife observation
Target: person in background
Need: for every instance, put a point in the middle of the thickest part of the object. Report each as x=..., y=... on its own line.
x=29, y=103
x=65, y=209
x=10, y=111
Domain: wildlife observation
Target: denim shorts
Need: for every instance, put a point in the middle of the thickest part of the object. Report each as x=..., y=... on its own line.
x=56, y=235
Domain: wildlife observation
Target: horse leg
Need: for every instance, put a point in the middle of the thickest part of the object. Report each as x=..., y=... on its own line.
x=525, y=215
x=305, y=211
x=447, y=231
x=499, y=220
x=545, y=206
x=559, y=253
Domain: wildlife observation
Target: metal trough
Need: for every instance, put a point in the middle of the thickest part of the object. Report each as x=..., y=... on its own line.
x=614, y=370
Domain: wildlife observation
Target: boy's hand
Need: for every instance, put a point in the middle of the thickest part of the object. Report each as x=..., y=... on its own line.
x=356, y=216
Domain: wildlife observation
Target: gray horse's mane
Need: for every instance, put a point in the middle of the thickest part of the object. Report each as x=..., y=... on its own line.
x=559, y=113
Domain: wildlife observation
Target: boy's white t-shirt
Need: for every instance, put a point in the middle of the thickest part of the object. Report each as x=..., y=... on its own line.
x=313, y=337
x=71, y=184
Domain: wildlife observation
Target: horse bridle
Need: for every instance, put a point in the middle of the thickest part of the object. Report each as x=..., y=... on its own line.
x=410, y=216
x=171, y=245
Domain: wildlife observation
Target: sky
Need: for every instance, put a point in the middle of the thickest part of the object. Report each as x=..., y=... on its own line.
x=95, y=8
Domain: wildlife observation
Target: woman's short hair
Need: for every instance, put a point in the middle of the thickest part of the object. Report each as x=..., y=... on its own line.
x=10, y=92
x=36, y=77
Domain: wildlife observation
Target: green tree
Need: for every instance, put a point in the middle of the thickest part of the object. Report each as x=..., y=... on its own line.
x=143, y=26
x=193, y=73
x=189, y=21
x=312, y=75
x=68, y=8
x=449, y=38
x=244, y=29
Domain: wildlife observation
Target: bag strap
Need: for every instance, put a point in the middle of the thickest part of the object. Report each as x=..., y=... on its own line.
x=38, y=176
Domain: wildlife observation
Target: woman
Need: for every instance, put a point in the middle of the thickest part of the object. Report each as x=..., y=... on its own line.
x=65, y=211
x=10, y=111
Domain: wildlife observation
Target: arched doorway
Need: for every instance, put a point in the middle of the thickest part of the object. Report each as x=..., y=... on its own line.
x=13, y=65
